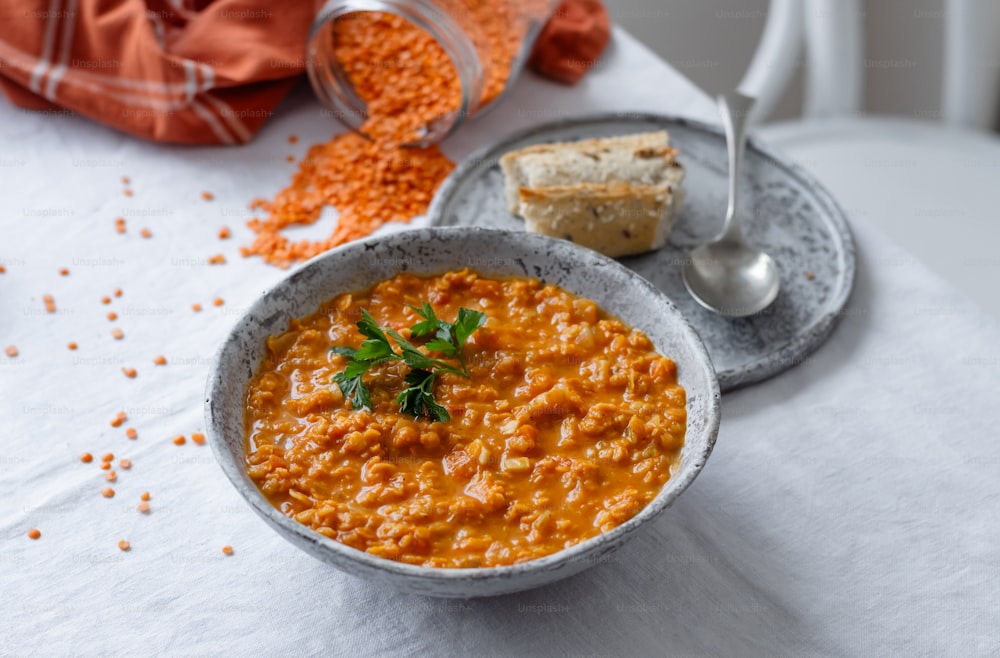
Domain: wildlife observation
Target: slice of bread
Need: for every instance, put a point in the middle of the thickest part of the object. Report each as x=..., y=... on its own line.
x=642, y=159
x=616, y=219
x=616, y=195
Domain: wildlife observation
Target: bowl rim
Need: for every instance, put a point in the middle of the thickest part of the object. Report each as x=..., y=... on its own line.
x=677, y=484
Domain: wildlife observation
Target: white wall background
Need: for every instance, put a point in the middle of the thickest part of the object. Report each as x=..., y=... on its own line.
x=711, y=42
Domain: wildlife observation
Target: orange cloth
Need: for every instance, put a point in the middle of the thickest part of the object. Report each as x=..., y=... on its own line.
x=187, y=71
x=179, y=71
x=572, y=40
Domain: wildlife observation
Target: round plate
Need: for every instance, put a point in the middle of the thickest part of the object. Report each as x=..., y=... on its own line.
x=784, y=210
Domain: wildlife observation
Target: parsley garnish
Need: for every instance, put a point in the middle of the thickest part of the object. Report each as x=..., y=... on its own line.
x=418, y=398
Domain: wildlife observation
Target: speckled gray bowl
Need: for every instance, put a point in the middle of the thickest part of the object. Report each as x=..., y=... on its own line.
x=360, y=265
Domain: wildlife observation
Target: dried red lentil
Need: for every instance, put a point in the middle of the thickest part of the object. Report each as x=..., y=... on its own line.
x=108, y=493
x=111, y=476
x=130, y=372
x=108, y=457
x=224, y=233
x=218, y=301
x=179, y=440
x=120, y=224
x=217, y=259
x=198, y=438
x=112, y=316
x=144, y=507
x=117, y=333
x=146, y=233
x=125, y=463
x=160, y=360
x=118, y=420
x=72, y=345
x=124, y=545
x=86, y=458
x=50, y=303
x=144, y=496
x=105, y=466
x=228, y=550
x=128, y=192
x=131, y=433
x=369, y=185
x=11, y=351
x=207, y=196
x=118, y=292
x=64, y=272
x=196, y=308
x=126, y=180
x=34, y=533
x=369, y=182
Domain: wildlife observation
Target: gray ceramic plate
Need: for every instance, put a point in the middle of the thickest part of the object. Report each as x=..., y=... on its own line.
x=360, y=265
x=786, y=212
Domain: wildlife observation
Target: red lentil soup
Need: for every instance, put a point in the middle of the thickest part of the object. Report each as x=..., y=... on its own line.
x=569, y=424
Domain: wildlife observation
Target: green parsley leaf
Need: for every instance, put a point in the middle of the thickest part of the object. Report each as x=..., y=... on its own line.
x=418, y=398
x=376, y=351
x=442, y=346
x=354, y=389
x=356, y=368
x=369, y=328
x=435, y=410
x=413, y=357
x=430, y=323
x=466, y=324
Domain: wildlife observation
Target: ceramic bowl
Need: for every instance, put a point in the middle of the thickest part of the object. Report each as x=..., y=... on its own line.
x=360, y=265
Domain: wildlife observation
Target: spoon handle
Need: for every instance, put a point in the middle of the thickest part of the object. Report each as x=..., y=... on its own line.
x=735, y=109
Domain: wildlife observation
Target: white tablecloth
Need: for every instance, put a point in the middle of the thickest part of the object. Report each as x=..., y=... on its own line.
x=852, y=505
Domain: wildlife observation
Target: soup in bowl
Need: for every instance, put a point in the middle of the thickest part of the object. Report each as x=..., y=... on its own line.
x=462, y=412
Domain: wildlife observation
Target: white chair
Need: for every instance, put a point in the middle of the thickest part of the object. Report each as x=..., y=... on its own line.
x=928, y=184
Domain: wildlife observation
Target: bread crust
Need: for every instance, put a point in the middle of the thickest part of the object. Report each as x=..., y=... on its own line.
x=617, y=195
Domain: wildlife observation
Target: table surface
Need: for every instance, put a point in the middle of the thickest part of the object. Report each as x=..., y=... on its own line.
x=919, y=181
x=852, y=504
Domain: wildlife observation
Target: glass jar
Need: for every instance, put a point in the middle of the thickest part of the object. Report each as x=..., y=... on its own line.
x=412, y=71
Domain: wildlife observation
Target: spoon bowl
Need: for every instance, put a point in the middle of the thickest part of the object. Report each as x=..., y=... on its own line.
x=732, y=278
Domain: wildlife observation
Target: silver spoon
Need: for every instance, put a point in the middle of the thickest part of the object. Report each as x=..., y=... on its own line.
x=727, y=275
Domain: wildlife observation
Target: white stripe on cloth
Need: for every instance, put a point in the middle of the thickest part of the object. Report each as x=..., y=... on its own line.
x=191, y=87
x=25, y=62
x=158, y=31
x=180, y=8
x=222, y=108
x=227, y=113
x=213, y=123
x=17, y=59
x=190, y=79
x=152, y=86
x=68, y=28
x=52, y=20
x=208, y=75
x=74, y=77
